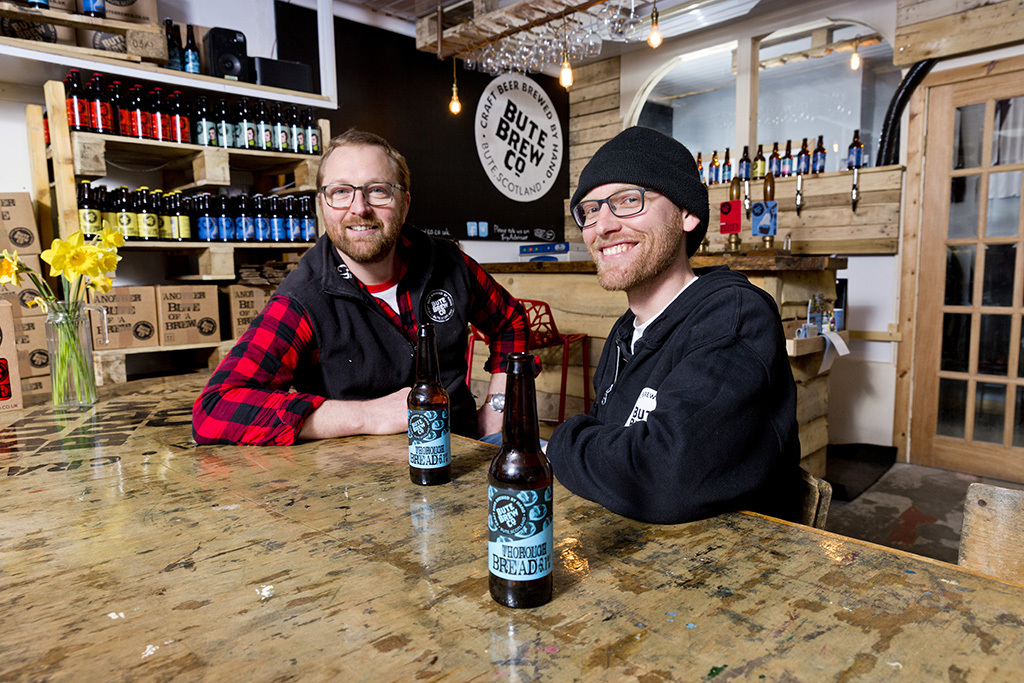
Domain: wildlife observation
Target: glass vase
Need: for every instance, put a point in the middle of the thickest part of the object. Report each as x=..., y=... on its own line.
x=69, y=342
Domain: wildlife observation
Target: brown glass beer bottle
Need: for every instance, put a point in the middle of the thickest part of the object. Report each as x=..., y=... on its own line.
x=520, y=538
x=430, y=448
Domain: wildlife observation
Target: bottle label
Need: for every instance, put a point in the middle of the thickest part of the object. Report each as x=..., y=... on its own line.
x=206, y=133
x=225, y=134
x=294, y=227
x=161, y=126
x=759, y=169
x=191, y=62
x=245, y=228
x=713, y=174
x=89, y=221
x=775, y=166
x=124, y=122
x=108, y=220
x=227, y=228
x=787, y=166
x=140, y=124
x=127, y=223
x=149, y=225
x=78, y=113
x=855, y=157
x=309, y=229
x=264, y=135
x=184, y=227
x=744, y=170
x=430, y=439
x=167, y=231
x=93, y=6
x=208, y=228
x=803, y=164
x=727, y=173
x=245, y=134
x=520, y=533
x=180, y=126
x=312, y=139
x=102, y=117
x=280, y=137
x=262, y=229
x=278, y=233
x=819, y=162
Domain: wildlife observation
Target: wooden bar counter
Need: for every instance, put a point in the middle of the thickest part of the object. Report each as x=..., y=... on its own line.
x=129, y=553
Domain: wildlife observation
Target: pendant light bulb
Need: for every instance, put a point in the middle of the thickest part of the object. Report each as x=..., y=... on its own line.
x=565, y=76
x=855, y=58
x=454, y=106
x=654, y=38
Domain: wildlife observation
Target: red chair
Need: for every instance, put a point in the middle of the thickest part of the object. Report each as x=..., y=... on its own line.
x=544, y=334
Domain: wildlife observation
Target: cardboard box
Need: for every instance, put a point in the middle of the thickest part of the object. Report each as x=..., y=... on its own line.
x=18, y=230
x=33, y=386
x=244, y=303
x=46, y=33
x=131, y=318
x=133, y=11
x=187, y=314
x=30, y=341
x=10, y=378
x=554, y=251
x=19, y=297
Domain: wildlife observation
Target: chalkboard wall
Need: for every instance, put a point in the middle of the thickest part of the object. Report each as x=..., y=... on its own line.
x=387, y=86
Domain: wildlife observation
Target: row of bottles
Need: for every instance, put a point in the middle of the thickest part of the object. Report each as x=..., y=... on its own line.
x=181, y=58
x=780, y=166
x=90, y=8
x=152, y=215
x=109, y=109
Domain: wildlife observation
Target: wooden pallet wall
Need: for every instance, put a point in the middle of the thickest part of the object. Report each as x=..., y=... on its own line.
x=943, y=28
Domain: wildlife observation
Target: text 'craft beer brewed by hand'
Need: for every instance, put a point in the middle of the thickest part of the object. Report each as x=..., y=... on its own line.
x=520, y=525
x=430, y=446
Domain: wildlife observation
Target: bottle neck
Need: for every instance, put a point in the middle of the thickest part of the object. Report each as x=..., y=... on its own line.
x=426, y=358
x=521, y=431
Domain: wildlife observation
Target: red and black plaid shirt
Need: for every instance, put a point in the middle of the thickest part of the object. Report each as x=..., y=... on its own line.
x=248, y=401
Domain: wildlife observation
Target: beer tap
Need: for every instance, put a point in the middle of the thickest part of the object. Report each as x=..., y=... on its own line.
x=799, y=192
x=769, y=195
x=746, y=197
x=854, y=192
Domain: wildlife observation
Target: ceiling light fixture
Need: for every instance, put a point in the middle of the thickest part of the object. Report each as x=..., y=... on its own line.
x=454, y=106
x=855, y=58
x=654, y=38
x=565, y=76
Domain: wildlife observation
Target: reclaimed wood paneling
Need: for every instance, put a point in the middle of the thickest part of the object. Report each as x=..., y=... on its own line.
x=945, y=28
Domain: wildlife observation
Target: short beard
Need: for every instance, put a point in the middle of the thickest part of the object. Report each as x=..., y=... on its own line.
x=365, y=251
x=665, y=243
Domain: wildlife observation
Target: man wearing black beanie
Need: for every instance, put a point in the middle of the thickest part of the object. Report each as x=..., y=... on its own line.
x=695, y=409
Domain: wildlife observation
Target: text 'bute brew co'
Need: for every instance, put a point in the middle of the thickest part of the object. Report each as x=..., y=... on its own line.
x=430, y=441
x=520, y=535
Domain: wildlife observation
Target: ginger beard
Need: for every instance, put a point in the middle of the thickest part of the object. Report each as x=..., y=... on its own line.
x=654, y=251
x=367, y=239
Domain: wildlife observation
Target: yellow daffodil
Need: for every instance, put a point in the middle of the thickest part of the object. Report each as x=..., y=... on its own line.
x=112, y=238
x=101, y=284
x=58, y=252
x=10, y=274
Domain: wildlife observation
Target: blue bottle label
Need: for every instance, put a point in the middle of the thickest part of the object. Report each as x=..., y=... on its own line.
x=430, y=439
x=262, y=228
x=245, y=228
x=208, y=228
x=819, y=162
x=294, y=227
x=91, y=6
x=775, y=167
x=278, y=230
x=855, y=157
x=727, y=173
x=520, y=533
x=309, y=229
x=191, y=62
x=227, y=228
x=803, y=164
x=713, y=174
x=744, y=170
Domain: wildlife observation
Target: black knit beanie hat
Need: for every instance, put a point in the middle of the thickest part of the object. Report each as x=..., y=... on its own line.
x=646, y=158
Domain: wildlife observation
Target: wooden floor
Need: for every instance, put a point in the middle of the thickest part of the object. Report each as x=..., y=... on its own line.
x=129, y=553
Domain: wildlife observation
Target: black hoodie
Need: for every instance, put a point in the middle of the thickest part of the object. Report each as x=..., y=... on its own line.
x=700, y=418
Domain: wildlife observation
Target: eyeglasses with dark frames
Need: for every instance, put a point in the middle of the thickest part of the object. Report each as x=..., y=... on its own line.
x=623, y=204
x=340, y=195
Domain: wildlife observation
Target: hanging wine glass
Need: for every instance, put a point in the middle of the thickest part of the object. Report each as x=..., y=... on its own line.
x=632, y=28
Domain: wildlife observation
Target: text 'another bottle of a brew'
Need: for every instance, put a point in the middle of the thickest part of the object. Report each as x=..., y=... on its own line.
x=430, y=441
x=520, y=526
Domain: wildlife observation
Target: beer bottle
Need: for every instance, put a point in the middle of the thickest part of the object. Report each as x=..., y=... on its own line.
x=190, y=60
x=264, y=128
x=296, y=137
x=520, y=537
x=700, y=169
x=277, y=120
x=225, y=221
x=743, y=167
x=818, y=161
x=759, y=167
x=90, y=218
x=119, y=109
x=293, y=225
x=181, y=218
x=174, y=56
x=139, y=114
x=125, y=218
x=726, y=168
x=786, y=167
x=78, y=106
x=278, y=229
x=180, y=125
x=803, y=159
x=430, y=448
x=149, y=222
x=312, y=133
x=245, y=126
x=106, y=201
x=714, y=169
x=39, y=4
x=308, y=219
x=206, y=223
x=163, y=219
x=245, y=227
x=101, y=115
x=775, y=161
x=855, y=154
x=159, y=118
x=225, y=127
x=260, y=219
x=94, y=8
x=206, y=130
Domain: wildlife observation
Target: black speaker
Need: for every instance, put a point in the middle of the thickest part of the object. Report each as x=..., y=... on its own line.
x=281, y=74
x=226, y=54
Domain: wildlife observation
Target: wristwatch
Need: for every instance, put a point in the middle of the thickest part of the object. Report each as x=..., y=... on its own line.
x=496, y=402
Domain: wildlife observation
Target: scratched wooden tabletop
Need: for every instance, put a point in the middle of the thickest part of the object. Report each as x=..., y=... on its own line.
x=129, y=553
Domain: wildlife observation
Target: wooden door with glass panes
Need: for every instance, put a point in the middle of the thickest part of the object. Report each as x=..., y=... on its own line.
x=968, y=397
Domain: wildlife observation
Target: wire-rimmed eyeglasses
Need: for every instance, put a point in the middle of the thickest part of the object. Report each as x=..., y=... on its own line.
x=340, y=195
x=624, y=203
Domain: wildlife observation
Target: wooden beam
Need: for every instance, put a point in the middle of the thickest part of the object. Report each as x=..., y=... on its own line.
x=985, y=27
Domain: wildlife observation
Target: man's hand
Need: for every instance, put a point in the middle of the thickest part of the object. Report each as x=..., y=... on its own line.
x=385, y=415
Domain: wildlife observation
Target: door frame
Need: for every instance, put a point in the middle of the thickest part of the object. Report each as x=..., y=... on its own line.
x=910, y=243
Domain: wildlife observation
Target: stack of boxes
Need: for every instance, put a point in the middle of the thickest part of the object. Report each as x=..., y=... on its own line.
x=131, y=11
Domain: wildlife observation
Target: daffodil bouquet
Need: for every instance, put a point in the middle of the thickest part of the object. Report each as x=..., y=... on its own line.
x=81, y=265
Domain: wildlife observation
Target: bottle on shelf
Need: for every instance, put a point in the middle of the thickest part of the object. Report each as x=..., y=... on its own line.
x=207, y=225
x=225, y=221
x=125, y=217
x=225, y=126
x=818, y=160
x=203, y=123
x=855, y=153
x=190, y=59
x=803, y=159
x=92, y=8
x=775, y=162
x=700, y=169
x=743, y=166
x=726, y=168
x=139, y=114
x=172, y=228
x=106, y=201
x=183, y=214
x=149, y=222
x=159, y=117
x=90, y=219
x=163, y=219
x=245, y=226
x=264, y=127
x=280, y=128
x=79, y=119
x=519, y=487
x=759, y=167
x=100, y=112
x=312, y=132
x=245, y=126
x=261, y=232
x=308, y=212
x=296, y=135
x=39, y=4
x=430, y=448
x=180, y=124
x=278, y=227
x=714, y=169
x=119, y=108
x=174, y=51
x=786, y=167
